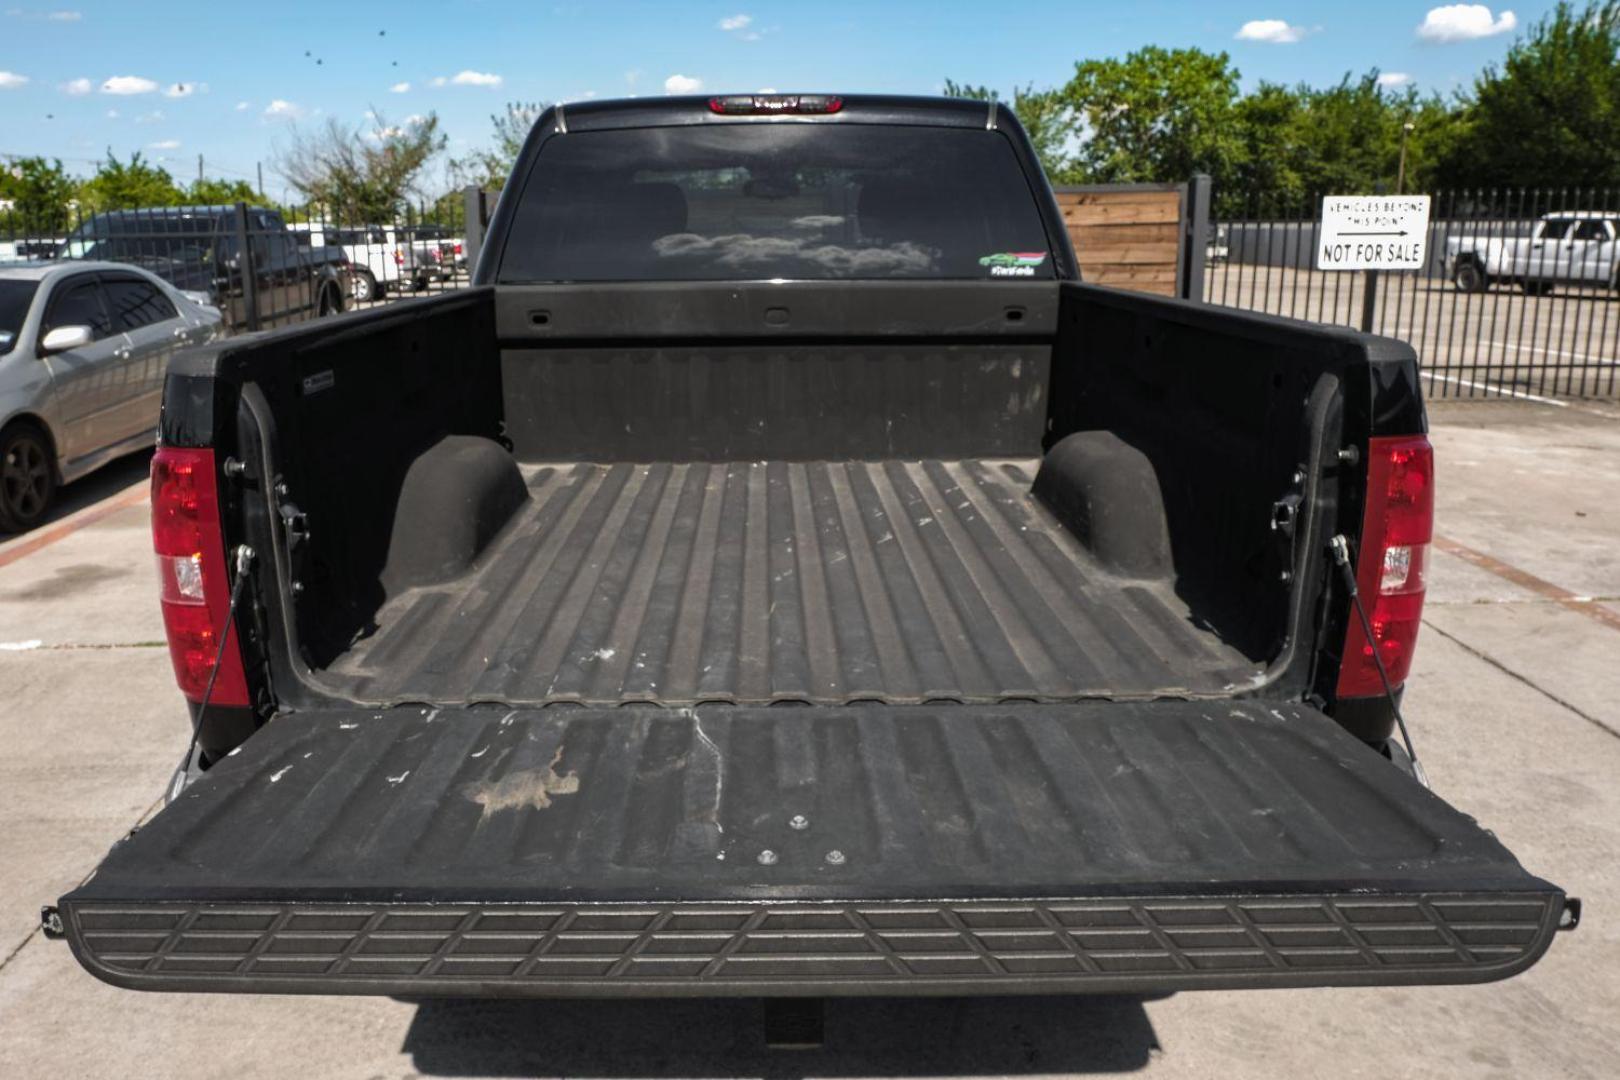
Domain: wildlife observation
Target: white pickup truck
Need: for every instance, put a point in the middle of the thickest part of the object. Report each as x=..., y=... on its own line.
x=1577, y=247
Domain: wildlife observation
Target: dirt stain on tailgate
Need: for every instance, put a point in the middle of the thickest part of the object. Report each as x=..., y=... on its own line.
x=527, y=787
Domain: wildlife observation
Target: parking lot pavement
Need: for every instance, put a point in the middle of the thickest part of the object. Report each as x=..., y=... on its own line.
x=1512, y=702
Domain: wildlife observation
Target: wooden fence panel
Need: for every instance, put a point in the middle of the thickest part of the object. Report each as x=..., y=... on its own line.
x=1128, y=235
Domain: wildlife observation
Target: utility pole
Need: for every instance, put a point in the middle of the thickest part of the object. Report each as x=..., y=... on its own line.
x=259, y=165
x=199, y=168
x=1400, y=170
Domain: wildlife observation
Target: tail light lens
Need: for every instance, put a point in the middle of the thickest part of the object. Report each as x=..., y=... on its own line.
x=765, y=104
x=195, y=592
x=1392, y=564
x=399, y=257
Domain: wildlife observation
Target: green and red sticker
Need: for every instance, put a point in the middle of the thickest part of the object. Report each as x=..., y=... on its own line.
x=1013, y=263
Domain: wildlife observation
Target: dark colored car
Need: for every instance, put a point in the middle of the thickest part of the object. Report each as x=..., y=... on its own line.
x=199, y=249
x=780, y=575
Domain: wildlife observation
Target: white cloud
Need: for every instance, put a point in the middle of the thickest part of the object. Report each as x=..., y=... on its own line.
x=437, y=80
x=283, y=110
x=243, y=106
x=150, y=118
x=766, y=90
x=399, y=88
x=126, y=85
x=735, y=22
x=475, y=78
x=164, y=144
x=112, y=114
x=77, y=87
x=10, y=80
x=682, y=84
x=1270, y=31
x=1464, y=22
x=180, y=90
x=1391, y=79
x=53, y=16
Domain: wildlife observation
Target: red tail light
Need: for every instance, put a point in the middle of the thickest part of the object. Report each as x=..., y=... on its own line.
x=191, y=566
x=760, y=104
x=1393, y=560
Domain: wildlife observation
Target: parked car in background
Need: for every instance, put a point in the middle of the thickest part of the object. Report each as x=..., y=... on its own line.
x=84, y=347
x=1579, y=247
x=198, y=248
x=31, y=249
x=380, y=259
x=439, y=252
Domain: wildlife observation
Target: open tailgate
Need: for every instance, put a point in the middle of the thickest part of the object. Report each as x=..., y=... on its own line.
x=877, y=849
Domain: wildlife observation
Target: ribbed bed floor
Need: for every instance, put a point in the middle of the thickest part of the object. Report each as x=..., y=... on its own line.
x=774, y=581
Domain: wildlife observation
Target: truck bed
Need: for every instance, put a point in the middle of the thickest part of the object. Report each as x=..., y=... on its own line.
x=771, y=581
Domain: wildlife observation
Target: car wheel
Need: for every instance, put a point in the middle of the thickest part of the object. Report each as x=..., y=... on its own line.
x=330, y=302
x=365, y=287
x=27, y=477
x=1538, y=288
x=1468, y=277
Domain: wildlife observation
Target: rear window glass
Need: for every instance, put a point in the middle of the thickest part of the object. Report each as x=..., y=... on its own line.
x=15, y=296
x=776, y=200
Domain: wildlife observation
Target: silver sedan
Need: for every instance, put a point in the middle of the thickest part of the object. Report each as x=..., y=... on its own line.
x=83, y=351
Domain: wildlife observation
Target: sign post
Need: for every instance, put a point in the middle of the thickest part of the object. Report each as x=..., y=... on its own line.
x=1372, y=233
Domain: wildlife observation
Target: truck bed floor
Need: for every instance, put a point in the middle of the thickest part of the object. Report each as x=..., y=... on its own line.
x=756, y=582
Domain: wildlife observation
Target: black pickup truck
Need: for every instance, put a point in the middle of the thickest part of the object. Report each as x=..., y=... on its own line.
x=780, y=575
x=199, y=249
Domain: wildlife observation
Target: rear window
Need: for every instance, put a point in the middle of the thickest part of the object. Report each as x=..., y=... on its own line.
x=15, y=296
x=776, y=200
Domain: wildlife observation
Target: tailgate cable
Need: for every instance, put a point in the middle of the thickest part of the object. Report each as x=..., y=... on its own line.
x=1341, y=556
x=244, y=559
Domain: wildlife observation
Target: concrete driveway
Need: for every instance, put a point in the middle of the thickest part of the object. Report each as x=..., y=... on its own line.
x=1515, y=705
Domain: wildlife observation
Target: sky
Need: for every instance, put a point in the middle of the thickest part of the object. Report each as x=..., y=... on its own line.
x=178, y=79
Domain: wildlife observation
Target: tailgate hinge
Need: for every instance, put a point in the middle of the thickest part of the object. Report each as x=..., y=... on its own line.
x=1285, y=514
x=295, y=526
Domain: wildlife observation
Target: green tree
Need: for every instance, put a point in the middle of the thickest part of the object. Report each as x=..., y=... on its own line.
x=1549, y=116
x=40, y=193
x=1048, y=120
x=489, y=167
x=362, y=176
x=211, y=192
x=131, y=185
x=1157, y=115
x=1302, y=141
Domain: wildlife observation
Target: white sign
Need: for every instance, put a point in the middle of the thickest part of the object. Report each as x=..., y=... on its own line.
x=1373, y=232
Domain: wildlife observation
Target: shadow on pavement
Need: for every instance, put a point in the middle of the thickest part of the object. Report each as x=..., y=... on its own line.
x=104, y=482
x=864, y=1037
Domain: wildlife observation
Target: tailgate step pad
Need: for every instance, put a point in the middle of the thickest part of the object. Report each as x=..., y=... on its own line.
x=641, y=851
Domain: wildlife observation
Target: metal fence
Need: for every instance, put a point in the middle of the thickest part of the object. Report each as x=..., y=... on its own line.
x=1518, y=297
x=262, y=267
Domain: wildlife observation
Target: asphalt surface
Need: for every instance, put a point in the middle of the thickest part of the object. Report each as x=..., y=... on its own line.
x=1514, y=701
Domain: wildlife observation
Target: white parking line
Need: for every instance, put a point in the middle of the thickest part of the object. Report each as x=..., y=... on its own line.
x=1582, y=357
x=1492, y=388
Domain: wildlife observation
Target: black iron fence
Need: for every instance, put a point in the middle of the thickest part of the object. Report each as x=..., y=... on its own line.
x=262, y=267
x=1518, y=296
